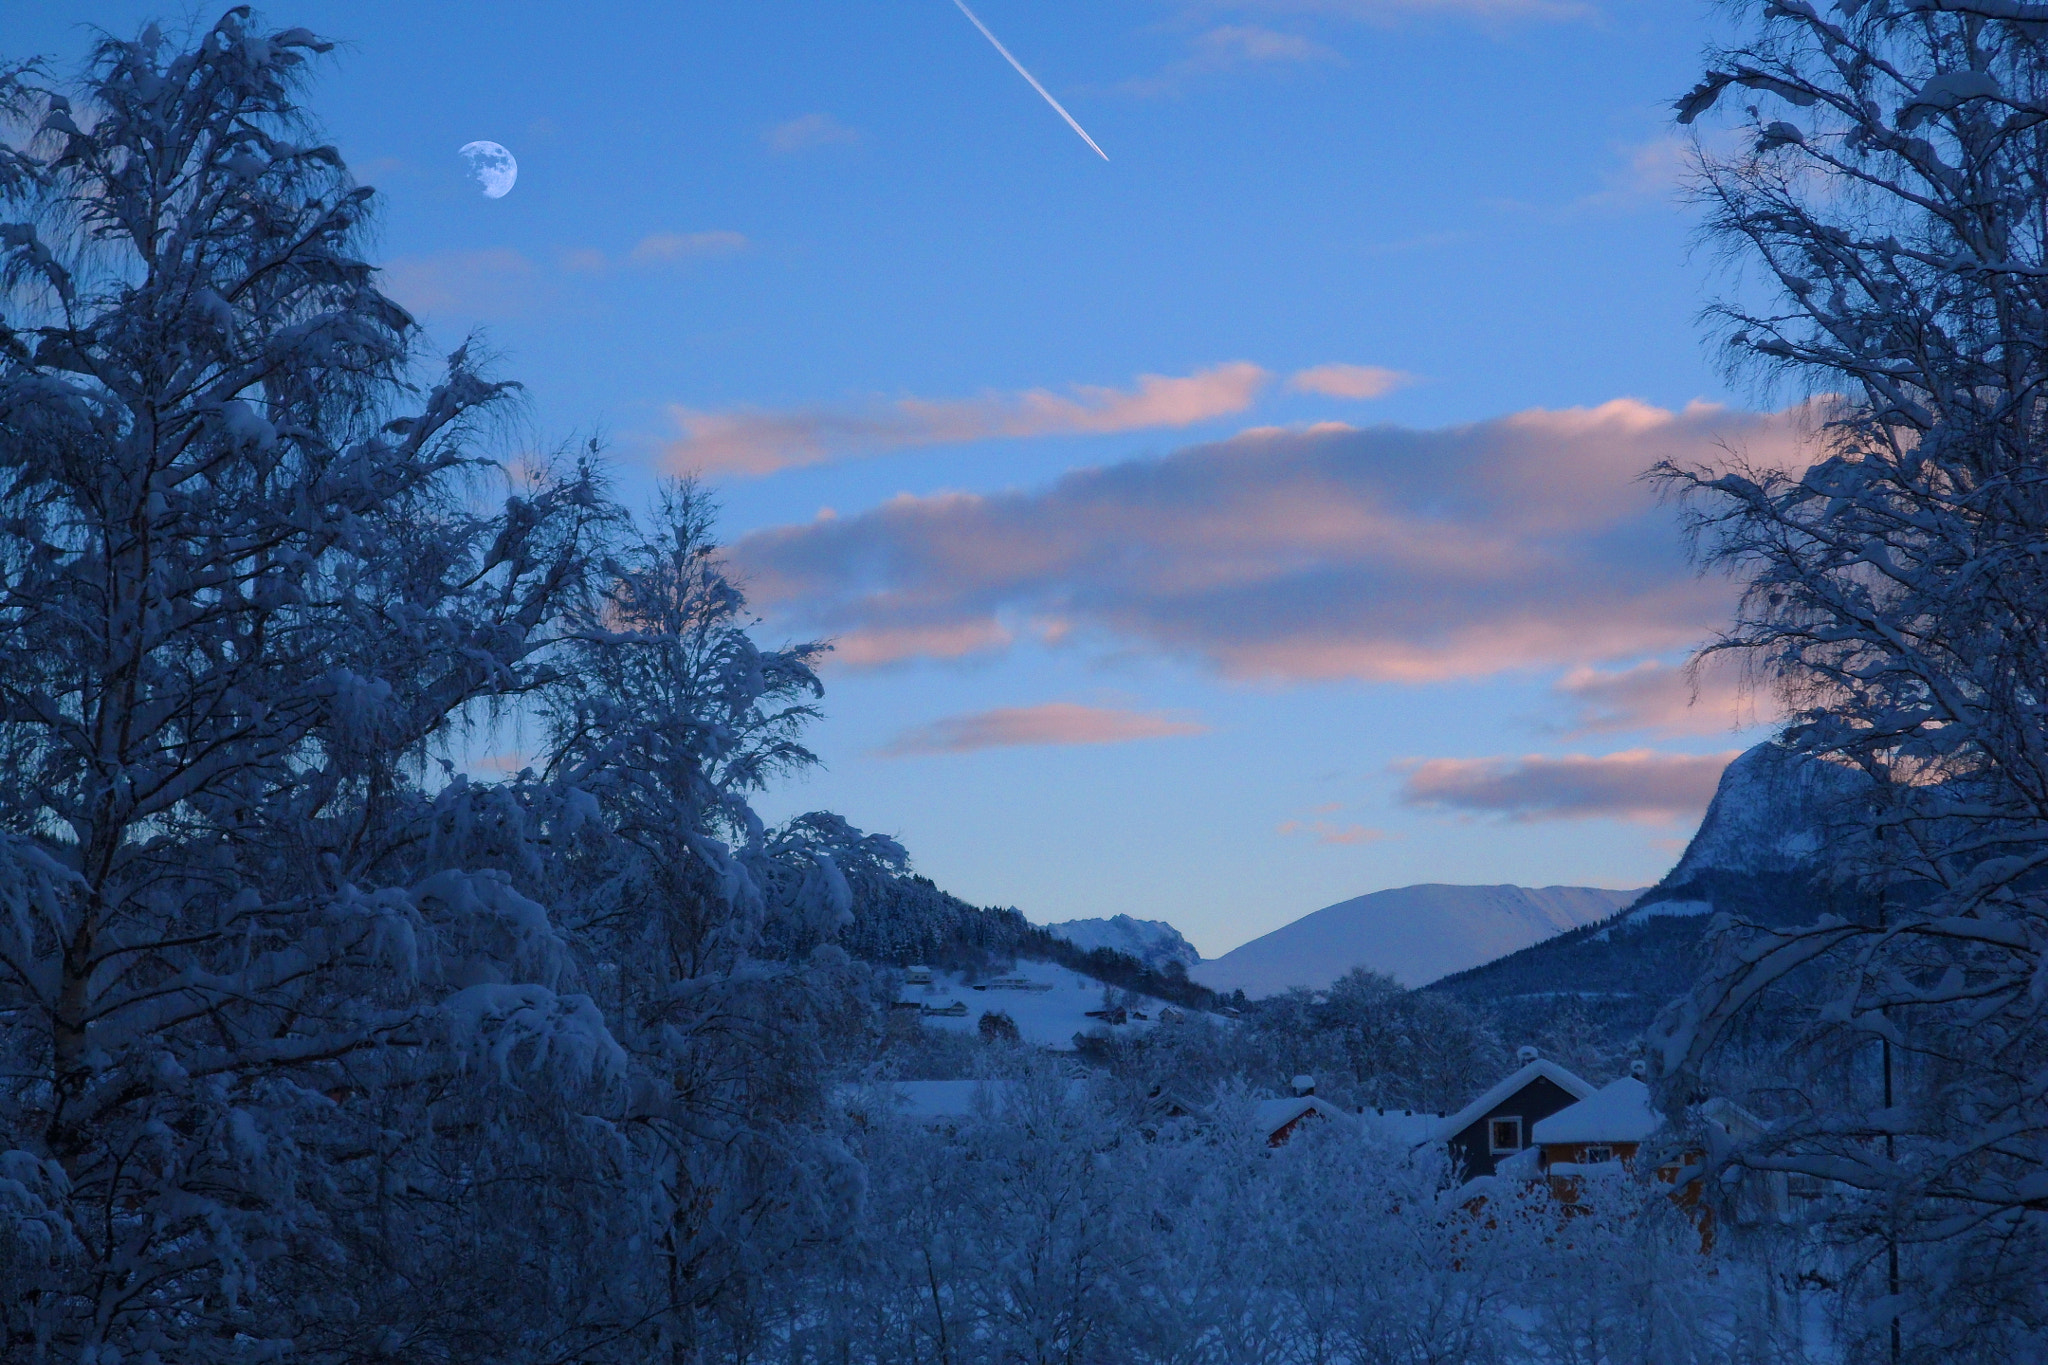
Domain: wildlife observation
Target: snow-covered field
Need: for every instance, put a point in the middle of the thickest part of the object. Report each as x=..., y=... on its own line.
x=1049, y=1016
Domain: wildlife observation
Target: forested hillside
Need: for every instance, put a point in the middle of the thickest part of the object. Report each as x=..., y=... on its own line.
x=901, y=918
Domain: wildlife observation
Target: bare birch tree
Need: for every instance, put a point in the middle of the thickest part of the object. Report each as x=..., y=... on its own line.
x=1891, y=197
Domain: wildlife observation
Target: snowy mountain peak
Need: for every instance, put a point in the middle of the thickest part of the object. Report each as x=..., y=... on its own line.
x=1770, y=813
x=1773, y=813
x=1153, y=942
x=1415, y=934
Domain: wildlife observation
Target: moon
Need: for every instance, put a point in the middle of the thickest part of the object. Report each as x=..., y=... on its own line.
x=491, y=166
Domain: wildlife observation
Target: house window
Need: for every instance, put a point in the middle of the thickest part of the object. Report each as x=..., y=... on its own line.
x=1594, y=1154
x=1506, y=1134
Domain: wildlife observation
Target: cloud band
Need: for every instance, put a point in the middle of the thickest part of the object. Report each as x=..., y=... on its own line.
x=1327, y=552
x=1051, y=723
x=1637, y=784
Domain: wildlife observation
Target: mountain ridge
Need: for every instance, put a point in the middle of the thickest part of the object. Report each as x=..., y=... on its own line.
x=1415, y=934
x=1153, y=942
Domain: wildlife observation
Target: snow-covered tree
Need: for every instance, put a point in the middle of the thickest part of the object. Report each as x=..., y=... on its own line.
x=710, y=932
x=1892, y=190
x=308, y=1041
x=1042, y=1227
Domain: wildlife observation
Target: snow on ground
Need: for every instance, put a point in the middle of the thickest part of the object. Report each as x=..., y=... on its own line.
x=1049, y=1016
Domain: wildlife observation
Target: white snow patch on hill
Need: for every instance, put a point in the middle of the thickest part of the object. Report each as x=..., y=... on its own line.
x=1048, y=1016
x=1415, y=934
x=1153, y=942
x=1656, y=908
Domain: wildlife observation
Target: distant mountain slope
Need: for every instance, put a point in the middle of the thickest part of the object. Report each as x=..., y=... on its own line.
x=1413, y=933
x=1759, y=853
x=901, y=920
x=1153, y=942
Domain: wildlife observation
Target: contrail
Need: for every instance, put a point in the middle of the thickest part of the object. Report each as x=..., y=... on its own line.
x=1029, y=77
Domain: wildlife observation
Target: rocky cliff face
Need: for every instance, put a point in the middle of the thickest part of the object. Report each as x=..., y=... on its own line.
x=1761, y=853
x=1774, y=816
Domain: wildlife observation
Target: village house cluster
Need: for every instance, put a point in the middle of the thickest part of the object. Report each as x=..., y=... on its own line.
x=1541, y=1123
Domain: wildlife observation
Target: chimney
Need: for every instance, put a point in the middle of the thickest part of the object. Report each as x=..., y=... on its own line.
x=1304, y=1086
x=1526, y=1054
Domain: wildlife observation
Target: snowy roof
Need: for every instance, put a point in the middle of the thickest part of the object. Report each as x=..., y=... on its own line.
x=1499, y=1094
x=1401, y=1125
x=1619, y=1111
x=1732, y=1119
x=1273, y=1115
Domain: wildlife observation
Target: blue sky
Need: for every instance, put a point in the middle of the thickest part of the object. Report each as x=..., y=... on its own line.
x=975, y=402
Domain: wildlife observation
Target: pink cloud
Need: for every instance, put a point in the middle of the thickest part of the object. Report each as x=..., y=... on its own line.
x=1636, y=784
x=803, y=133
x=1057, y=722
x=1523, y=542
x=1661, y=698
x=752, y=442
x=890, y=644
x=674, y=246
x=1323, y=832
x=1348, y=381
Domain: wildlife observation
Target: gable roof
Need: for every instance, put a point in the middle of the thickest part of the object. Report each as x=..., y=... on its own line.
x=1732, y=1119
x=1619, y=1111
x=1540, y=1069
x=1273, y=1115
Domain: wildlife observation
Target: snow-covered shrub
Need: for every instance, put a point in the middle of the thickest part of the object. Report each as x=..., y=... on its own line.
x=1366, y=1040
